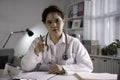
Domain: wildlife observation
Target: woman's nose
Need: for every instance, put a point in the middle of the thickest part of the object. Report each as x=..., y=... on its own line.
x=54, y=24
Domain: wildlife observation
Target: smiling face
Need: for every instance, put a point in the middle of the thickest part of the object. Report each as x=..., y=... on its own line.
x=54, y=24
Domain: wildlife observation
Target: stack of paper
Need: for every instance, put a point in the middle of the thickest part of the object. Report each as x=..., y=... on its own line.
x=35, y=76
x=95, y=76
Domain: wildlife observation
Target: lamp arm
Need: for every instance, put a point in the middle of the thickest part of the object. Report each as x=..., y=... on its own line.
x=18, y=31
x=10, y=36
x=30, y=33
x=7, y=40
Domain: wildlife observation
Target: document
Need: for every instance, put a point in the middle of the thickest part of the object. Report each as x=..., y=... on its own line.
x=35, y=76
x=95, y=76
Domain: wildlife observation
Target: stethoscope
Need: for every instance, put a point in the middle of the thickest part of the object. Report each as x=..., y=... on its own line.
x=65, y=57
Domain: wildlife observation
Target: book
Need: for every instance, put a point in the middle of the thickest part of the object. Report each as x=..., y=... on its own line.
x=75, y=11
x=70, y=24
x=80, y=9
x=95, y=76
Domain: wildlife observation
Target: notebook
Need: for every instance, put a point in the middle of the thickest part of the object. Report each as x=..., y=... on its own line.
x=95, y=76
x=34, y=76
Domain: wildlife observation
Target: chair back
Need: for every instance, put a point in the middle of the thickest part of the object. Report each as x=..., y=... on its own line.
x=6, y=56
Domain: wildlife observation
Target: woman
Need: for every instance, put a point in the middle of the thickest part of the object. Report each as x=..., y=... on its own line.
x=57, y=49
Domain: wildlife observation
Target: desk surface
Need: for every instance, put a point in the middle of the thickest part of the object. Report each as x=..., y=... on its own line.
x=40, y=76
x=56, y=77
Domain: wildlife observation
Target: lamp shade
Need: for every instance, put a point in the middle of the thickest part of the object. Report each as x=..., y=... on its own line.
x=30, y=33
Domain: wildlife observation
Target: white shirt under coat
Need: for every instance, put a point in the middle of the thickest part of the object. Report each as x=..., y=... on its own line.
x=78, y=57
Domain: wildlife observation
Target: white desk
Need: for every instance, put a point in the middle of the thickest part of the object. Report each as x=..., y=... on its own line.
x=56, y=77
x=41, y=76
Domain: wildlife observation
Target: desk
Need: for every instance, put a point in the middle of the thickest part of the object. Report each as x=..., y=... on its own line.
x=56, y=77
x=42, y=76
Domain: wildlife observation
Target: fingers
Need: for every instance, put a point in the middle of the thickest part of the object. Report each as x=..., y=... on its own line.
x=41, y=43
x=39, y=47
x=56, y=69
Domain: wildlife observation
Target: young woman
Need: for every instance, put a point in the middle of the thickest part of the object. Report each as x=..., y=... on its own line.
x=57, y=49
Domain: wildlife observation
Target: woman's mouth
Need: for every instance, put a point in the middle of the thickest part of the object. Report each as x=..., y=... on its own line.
x=54, y=29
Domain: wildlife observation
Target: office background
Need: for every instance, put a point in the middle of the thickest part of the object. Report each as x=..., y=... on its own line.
x=17, y=15
x=102, y=24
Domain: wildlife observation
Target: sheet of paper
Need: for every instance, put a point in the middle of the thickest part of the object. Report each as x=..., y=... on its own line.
x=35, y=76
x=70, y=69
x=64, y=77
x=96, y=76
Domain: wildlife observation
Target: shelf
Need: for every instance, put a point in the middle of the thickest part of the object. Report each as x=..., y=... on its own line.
x=75, y=15
x=71, y=29
x=72, y=18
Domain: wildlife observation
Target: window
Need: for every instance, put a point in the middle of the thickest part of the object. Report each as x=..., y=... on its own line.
x=102, y=21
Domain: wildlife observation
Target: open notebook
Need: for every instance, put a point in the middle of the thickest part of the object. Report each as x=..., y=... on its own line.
x=95, y=76
x=34, y=76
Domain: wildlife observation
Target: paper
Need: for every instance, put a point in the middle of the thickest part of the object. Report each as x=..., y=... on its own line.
x=96, y=76
x=64, y=77
x=68, y=70
x=35, y=76
x=71, y=69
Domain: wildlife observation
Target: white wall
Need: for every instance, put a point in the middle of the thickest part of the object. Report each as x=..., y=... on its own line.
x=17, y=15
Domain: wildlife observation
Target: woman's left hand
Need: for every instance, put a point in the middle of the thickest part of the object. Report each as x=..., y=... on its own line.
x=56, y=69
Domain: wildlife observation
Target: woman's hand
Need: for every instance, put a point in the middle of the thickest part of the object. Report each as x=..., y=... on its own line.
x=40, y=47
x=56, y=69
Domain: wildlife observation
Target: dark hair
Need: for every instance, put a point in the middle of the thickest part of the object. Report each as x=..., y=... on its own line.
x=51, y=9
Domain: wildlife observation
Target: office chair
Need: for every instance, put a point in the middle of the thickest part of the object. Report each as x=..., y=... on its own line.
x=6, y=56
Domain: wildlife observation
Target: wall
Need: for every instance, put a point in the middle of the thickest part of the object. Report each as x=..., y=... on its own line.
x=17, y=15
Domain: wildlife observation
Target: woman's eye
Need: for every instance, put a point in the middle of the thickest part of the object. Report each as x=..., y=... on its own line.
x=57, y=20
x=49, y=22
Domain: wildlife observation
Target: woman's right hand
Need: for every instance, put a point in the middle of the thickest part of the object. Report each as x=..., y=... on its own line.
x=39, y=47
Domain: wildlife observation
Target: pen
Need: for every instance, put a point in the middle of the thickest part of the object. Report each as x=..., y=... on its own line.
x=41, y=37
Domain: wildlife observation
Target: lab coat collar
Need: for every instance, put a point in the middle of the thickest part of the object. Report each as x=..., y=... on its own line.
x=62, y=40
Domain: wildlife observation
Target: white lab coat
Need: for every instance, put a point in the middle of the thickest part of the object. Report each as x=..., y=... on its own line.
x=78, y=57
